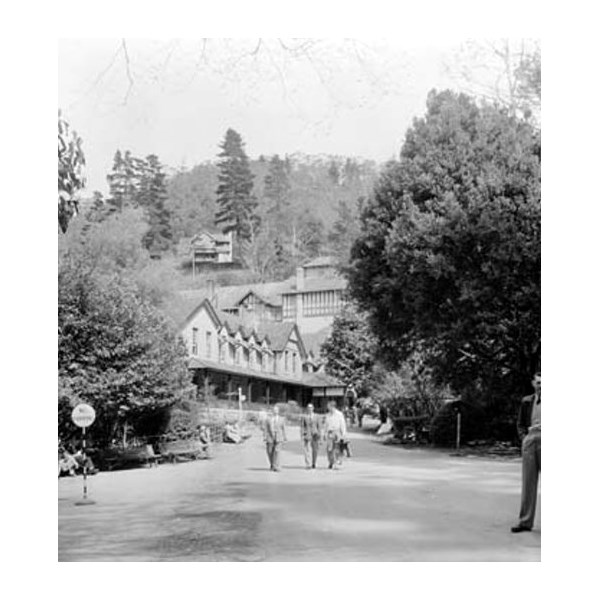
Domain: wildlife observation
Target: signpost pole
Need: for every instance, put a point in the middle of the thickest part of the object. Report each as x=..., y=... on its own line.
x=458, y=430
x=83, y=416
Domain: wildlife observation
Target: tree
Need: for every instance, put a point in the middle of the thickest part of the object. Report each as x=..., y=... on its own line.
x=448, y=258
x=309, y=235
x=152, y=196
x=508, y=72
x=277, y=192
x=115, y=352
x=344, y=232
x=349, y=351
x=234, y=193
x=71, y=179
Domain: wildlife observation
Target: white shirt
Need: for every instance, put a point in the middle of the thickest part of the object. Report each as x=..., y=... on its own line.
x=335, y=423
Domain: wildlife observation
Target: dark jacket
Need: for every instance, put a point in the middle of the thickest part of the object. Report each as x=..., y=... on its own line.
x=524, y=418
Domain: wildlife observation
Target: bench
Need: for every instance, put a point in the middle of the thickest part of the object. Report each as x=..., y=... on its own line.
x=129, y=457
x=186, y=449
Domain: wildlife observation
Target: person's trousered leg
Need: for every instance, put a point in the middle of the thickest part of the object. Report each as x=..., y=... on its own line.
x=306, y=448
x=531, y=465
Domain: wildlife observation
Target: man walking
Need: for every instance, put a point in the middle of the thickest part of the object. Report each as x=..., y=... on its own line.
x=275, y=437
x=310, y=433
x=529, y=425
x=335, y=432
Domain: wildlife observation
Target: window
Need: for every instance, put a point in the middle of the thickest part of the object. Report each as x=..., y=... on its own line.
x=195, y=340
x=208, y=344
x=286, y=361
x=294, y=357
x=222, y=348
x=289, y=306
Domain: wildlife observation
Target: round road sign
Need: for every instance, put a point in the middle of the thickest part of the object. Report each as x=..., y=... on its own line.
x=83, y=415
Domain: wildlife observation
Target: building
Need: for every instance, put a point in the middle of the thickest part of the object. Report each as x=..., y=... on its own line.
x=207, y=248
x=267, y=360
x=315, y=296
x=310, y=300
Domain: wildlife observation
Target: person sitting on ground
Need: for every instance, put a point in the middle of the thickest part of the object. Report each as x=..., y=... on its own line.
x=83, y=460
x=232, y=435
x=66, y=463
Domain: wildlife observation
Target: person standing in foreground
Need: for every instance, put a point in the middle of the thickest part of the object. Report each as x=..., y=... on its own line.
x=335, y=431
x=310, y=434
x=275, y=437
x=529, y=425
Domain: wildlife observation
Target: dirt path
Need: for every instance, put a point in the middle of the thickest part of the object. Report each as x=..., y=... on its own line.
x=385, y=504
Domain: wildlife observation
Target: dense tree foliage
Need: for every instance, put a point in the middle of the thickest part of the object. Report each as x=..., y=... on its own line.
x=152, y=196
x=71, y=179
x=448, y=258
x=349, y=351
x=297, y=202
x=236, y=202
x=115, y=352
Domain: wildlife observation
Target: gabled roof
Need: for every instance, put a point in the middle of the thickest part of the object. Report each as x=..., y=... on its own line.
x=205, y=304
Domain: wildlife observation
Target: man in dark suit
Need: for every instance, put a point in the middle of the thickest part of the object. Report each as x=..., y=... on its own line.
x=529, y=425
x=275, y=437
x=310, y=433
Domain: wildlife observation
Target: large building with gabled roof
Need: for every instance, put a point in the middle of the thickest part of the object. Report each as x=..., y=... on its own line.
x=266, y=360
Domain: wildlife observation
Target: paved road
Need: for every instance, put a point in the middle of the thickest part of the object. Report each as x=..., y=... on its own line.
x=385, y=504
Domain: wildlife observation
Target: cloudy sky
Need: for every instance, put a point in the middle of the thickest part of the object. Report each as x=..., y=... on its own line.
x=176, y=98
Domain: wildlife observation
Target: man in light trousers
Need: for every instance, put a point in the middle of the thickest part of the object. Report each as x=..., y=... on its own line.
x=275, y=437
x=310, y=434
x=530, y=426
x=335, y=431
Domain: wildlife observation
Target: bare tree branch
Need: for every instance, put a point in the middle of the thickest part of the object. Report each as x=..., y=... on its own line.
x=127, y=70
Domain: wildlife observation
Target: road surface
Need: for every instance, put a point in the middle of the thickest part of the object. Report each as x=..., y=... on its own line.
x=387, y=503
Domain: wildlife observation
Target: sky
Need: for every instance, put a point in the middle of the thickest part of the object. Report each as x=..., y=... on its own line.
x=176, y=98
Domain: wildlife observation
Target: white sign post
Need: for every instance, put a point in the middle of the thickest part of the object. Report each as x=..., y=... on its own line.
x=83, y=416
x=241, y=399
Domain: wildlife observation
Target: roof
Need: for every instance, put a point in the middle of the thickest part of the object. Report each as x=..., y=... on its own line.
x=318, y=380
x=229, y=296
x=197, y=363
x=278, y=333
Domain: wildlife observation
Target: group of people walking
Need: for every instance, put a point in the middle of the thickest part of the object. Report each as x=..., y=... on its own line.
x=314, y=430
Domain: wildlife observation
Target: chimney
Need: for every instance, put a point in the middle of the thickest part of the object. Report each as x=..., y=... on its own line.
x=300, y=278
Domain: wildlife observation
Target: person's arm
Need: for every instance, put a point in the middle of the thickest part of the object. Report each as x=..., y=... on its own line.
x=284, y=430
x=344, y=430
x=522, y=419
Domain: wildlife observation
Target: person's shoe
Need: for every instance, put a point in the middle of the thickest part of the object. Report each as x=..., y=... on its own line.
x=331, y=466
x=519, y=528
x=314, y=466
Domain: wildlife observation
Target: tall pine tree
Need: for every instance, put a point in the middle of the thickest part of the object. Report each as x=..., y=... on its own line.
x=236, y=205
x=152, y=196
x=124, y=181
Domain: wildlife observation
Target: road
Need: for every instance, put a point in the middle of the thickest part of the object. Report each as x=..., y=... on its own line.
x=387, y=503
